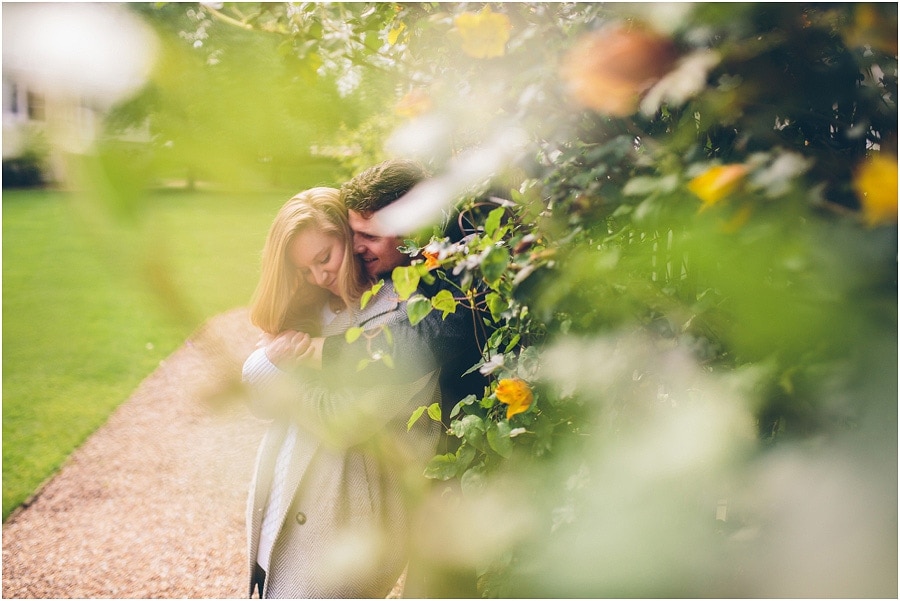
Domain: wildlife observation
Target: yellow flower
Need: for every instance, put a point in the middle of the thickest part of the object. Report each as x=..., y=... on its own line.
x=609, y=70
x=515, y=393
x=717, y=182
x=875, y=183
x=414, y=103
x=395, y=33
x=874, y=26
x=484, y=34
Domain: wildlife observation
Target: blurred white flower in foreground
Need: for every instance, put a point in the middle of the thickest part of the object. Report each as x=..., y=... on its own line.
x=424, y=204
x=687, y=79
x=96, y=51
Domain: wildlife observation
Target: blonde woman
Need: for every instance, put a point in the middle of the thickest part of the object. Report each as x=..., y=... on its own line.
x=328, y=505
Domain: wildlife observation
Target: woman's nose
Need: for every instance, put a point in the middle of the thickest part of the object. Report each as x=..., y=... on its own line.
x=320, y=276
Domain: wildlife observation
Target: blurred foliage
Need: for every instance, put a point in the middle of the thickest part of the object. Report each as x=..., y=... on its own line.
x=687, y=260
x=229, y=106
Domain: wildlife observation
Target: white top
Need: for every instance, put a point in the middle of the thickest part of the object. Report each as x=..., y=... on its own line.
x=276, y=504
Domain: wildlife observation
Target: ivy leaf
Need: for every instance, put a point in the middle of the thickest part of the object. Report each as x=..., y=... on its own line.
x=417, y=308
x=494, y=263
x=499, y=439
x=441, y=467
x=469, y=428
x=369, y=294
x=493, y=221
x=409, y=247
x=512, y=343
x=444, y=467
x=406, y=280
x=464, y=456
x=434, y=411
x=415, y=417
x=466, y=401
x=444, y=301
x=473, y=480
x=497, y=305
x=496, y=338
x=641, y=186
x=352, y=335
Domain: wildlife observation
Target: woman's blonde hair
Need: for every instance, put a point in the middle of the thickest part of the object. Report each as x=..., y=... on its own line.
x=285, y=300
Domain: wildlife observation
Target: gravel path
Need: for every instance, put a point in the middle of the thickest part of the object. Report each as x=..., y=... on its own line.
x=152, y=504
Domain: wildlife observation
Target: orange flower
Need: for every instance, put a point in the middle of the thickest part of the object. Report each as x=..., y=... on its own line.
x=875, y=183
x=608, y=70
x=717, y=182
x=515, y=393
x=484, y=34
x=414, y=103
x=431, y=260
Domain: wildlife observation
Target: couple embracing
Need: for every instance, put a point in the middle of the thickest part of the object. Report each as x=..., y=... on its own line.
x=328, y=513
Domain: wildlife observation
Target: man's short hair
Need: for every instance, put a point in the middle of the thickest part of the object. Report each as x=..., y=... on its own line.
x=379, y=186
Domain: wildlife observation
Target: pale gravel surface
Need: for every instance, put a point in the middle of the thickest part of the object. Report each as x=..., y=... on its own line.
x=152, y=504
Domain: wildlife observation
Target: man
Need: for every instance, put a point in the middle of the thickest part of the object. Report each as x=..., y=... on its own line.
x=452, y=340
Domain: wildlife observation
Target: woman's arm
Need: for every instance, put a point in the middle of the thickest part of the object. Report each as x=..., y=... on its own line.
x=291, y=349
x=344, y=414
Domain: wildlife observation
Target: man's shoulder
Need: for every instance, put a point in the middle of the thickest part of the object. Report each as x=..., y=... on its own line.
x=383, y=307
x=440, y=279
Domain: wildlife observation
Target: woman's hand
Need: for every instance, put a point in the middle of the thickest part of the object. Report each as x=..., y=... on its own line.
x=290, y=349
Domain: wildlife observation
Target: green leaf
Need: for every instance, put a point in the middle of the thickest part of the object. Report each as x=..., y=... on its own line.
x=466, y=401
x=406, y=280
x=496, y=338
x=473, y=480
x=388, y=361
x=409, y=247
x=493, y=221
x=494, y=263
x=434, y=411
x=640, y=186
x=417, y=308
x=488, y=402
x=362, y=364
x=498, y=438
x=352, y=335
x=512, y=343
x=471, y=429
x=441, y=467
x=415, y=417
x=444, y=301
x=464, y=455
x=369, y=294
x=497, y=305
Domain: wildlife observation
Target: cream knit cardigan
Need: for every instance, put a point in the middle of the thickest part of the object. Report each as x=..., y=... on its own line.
x=344, y=533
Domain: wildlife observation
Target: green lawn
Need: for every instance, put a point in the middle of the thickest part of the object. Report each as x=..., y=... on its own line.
x=91, y=305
